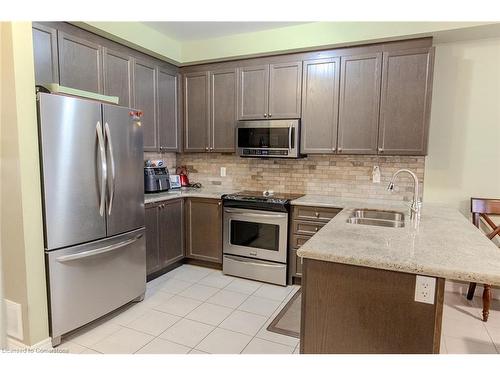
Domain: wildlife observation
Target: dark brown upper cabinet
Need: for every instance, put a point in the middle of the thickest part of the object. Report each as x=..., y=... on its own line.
x=359, y=103
x=271, y=91
x=196, y=111
x=405, y=101
x=118, y=76
x=168, y=110
x=79, y=63
x=45, y=54
x=203, y=223
x=320, y=100
x=285, y=84
x=145, y=99
x=253, y=92
x=223, y=107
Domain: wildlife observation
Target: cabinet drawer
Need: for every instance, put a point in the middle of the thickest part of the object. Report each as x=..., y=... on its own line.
x=308, y=228
x=297, y=241
x=321, y=214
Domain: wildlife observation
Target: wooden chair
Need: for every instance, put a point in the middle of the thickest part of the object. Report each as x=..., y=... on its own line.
x=481, y=208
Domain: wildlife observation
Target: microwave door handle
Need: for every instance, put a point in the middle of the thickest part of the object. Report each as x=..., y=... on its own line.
x=290, y=139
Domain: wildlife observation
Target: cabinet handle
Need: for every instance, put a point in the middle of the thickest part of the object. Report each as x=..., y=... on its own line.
x=380, y=149
x=339, y=149
x=316, y=214
x=211, y=148
x=270, y=115
x=265, y=114
x=333, y=149
x=316, y=229
x=206, y=148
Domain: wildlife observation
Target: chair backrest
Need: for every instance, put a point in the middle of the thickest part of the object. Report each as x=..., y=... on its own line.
x=482, y=208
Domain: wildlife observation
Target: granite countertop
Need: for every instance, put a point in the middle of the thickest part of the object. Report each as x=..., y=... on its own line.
x=185, y=192
x=443, y=244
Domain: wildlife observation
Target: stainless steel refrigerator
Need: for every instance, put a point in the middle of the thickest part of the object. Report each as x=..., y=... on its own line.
x=93, y=206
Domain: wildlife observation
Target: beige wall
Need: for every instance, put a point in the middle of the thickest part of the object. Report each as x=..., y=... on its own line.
x=21, y=214
x=464, y=145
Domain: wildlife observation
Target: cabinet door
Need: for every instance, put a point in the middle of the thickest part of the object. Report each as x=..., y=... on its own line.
x=152, y=239
x=45, y=54
x=405, y=102
x=359, y=103
x=196, y=111
x=204, y=229
x=171, y=232
x=145, y=99
x=223, y=93
x=253, y=92
x=285, y=83
x=320, y=93
x=79, y=63
x=118, y=76
x=168, y=114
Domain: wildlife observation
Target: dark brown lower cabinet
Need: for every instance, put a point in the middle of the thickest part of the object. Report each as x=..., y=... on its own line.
x=164, y=234
x=304, y=224
x=351, y=309
x=203, y=220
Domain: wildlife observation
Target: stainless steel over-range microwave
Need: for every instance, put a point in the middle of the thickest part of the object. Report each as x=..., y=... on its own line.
x=269, y=138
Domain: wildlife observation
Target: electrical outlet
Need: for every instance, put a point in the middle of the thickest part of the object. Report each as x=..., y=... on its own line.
x=376, y=174
x=223, y=171
x=425, y=289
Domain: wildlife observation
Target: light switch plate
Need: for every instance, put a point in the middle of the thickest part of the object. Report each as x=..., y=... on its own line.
x=223, y=171
x=425, y=289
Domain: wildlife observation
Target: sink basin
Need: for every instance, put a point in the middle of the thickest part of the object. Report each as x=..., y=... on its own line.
x=378, y=214
x=380, y=218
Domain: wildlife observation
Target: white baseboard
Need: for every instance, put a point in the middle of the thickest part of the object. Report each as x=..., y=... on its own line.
x=15, y=344
x=462, y=288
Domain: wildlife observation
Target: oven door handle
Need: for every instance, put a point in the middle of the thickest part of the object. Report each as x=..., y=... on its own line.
x=248, y=261
x=250, y=214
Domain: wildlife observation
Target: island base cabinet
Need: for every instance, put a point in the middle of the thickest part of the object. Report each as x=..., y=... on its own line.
x=361, y=310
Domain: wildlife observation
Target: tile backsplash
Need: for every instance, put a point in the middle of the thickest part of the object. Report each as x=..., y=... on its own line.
x=338, y=175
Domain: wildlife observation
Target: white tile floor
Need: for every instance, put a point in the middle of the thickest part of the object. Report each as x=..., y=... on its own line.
x=199, y=310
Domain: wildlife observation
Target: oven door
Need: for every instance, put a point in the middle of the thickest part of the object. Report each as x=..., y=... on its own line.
x=255, y=234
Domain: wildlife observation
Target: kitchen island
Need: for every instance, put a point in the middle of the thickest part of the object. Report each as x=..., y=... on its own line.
x=359, y=280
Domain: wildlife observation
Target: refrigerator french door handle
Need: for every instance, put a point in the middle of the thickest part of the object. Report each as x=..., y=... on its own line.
x=102, y=250
x=107, y=134
x=104, y=171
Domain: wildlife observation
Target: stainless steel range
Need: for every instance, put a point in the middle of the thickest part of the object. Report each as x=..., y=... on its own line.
x=255, y=235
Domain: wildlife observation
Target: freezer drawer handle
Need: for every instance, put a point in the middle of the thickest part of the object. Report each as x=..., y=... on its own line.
x=107, y=134
x=104, y=172
x=240, y=260
x=102, y=250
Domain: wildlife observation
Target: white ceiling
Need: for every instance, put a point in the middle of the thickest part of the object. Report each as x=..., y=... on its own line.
x=184, y=31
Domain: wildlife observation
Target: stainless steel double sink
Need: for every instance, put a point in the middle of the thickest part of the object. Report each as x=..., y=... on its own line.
x=380, y=218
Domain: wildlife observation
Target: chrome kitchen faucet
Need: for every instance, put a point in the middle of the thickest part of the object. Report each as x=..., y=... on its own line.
x=416, y=204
